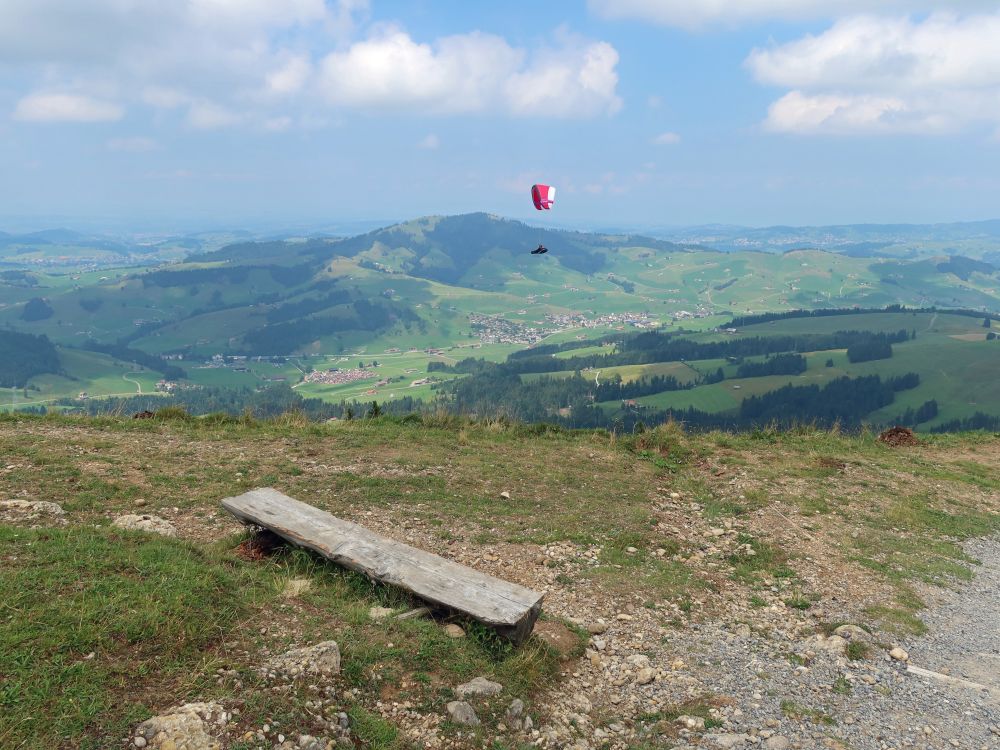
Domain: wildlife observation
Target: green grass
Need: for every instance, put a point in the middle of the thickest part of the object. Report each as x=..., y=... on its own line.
x=159, y=614
x=170, y=611
x=151, y=610
x=798, y=712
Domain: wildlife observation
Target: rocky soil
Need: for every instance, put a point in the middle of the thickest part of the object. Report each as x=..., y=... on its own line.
x=768, y=676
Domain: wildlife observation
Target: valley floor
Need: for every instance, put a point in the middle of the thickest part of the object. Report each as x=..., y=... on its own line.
x=697, y=586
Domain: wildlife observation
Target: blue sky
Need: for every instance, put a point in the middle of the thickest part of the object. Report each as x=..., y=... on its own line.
x=643, y=112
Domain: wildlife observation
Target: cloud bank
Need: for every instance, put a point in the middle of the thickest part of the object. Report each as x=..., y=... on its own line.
x=697, y=14
x=267, y=63
x=871, y=75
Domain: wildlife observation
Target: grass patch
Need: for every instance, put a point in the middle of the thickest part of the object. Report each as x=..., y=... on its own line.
x=842, y=686
x=140, y=604
x=374, y=731
x=759, y=560
x=798, y=712
x=160, y=614
x=857, y=650
x=900, y=620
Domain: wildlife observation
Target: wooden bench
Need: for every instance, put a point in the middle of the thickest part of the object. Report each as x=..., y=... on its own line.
x=507, y=607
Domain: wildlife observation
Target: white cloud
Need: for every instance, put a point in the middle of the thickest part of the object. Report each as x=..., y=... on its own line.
x=470, y=73
x=133, y=144
x=239, y=54
x=205, y=115
x=694, y=14
x=42, y=107
x=225, y=62
x=290, y=77
x=667, y=139
x=579, y=81
x=869, y=74
x=431, y=142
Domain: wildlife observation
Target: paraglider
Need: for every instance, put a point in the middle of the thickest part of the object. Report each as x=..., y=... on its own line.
x=543, y=196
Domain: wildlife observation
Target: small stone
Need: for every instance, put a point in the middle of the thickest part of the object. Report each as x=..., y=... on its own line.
x=462, y=713
x=139, y=741
x=478, y=686
x=138, y=504
x=624, y=618
x=515, y=709
x=631, y=550
x=454, y=631
x=777, y=742
x=505, y=495
x=899, y=654
x=192, y=725
x=323, y=658
x=645, y=676
x=694, y=723
x=147, y=523
x=596, y=628
x=727, y=741
x=380, y=613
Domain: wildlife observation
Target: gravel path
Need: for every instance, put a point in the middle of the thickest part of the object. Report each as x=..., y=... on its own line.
x=777, y=683
x=964, y=637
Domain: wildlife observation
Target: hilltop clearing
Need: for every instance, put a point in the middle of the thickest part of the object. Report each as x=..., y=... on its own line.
x=685, y=575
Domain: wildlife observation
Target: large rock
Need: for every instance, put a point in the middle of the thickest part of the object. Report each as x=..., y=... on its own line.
x=478, y=687
x=462, y=713
x=321, y=659
x=145, y=523
x=21, y=511
x=193, y=726
x=777, y=742
x=726, y=741
x=835, y=644
x=852, y=633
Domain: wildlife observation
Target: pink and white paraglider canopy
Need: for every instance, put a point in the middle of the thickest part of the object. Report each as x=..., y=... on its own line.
x=543, y=196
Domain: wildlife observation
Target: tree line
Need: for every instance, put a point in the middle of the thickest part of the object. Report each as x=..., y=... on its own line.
x=23, y=356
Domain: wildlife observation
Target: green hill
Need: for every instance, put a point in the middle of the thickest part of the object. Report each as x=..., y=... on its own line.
x=441, y=283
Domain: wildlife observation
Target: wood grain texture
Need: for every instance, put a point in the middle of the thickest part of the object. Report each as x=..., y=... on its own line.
x=507, y=607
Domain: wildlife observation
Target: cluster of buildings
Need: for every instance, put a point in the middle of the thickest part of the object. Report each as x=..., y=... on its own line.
x=495, y=329
x=335, y=376
x=610, y=320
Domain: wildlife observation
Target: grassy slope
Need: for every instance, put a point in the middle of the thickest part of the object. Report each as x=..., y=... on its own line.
x=97, y=374
x=85, y=588
x=956, y=364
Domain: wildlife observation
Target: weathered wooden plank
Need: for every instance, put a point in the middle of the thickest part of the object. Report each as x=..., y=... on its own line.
x=507, y=607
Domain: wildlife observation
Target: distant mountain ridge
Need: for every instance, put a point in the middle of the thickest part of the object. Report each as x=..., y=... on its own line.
x=977, y=239
x=448, y=248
